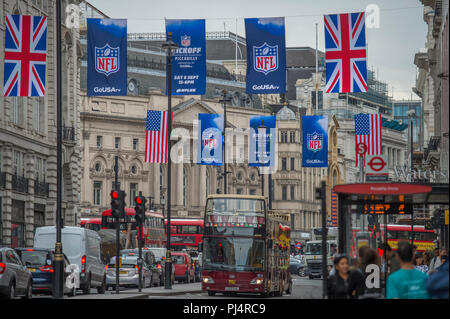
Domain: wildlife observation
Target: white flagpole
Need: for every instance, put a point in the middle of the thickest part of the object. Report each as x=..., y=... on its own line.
x=317, y=76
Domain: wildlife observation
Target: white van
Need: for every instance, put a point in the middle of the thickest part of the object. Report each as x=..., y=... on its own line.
x=82, y=248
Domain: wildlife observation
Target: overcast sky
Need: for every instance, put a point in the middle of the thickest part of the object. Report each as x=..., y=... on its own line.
x=391, y=47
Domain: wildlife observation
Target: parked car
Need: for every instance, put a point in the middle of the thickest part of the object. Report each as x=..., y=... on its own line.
x=15, y=278
x=40, y=263
x=82, y=248
x=160, y=256
x=182, y=263
x=128, y=273
x=149, y=259
x=297, y=267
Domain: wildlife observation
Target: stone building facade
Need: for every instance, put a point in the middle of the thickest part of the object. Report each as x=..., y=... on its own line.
x=28, y=138
x=116, y=126
x=432, y=83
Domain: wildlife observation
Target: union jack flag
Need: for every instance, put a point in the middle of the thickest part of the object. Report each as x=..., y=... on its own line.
x=25, y=55
x=345, y=54
x=156, y=137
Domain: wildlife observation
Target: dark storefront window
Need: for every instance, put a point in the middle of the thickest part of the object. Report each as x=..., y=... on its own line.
x=18, y=224
x=39, y=216
x=1, y=222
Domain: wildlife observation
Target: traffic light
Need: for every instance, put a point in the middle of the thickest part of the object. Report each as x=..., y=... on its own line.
x=118, y=204
x=140, y=208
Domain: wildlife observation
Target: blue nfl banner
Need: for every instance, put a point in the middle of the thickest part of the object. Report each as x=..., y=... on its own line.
x=266, y=55
x=189, y=60
x=210, y=144
x=315, y=141
x=262, y=141
x=107, y=57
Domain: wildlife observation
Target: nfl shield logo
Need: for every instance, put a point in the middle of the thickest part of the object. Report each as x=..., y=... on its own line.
x=315, y=142
x=265, y=58
x=107, y=60
x=185, y=40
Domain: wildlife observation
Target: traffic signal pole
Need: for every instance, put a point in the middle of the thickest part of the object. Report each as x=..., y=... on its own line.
x=116, y=186
x=140, y=208
x=324, y=240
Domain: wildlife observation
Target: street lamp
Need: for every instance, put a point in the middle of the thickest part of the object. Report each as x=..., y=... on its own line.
x=225, y=98
x=411, y=114
x=169, y=47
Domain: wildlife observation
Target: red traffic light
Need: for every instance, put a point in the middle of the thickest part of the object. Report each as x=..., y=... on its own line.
x=114, y=194
x=138, y=200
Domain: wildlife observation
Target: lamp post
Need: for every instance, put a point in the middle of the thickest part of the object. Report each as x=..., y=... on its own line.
x=58, y=292
x=169, y=47
x=411, y=114
x=225, y=98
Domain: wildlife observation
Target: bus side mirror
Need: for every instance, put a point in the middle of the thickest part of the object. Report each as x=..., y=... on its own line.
x=200, y=247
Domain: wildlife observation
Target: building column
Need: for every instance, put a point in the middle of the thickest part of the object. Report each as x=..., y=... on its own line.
x=29, y=202
x=7, y=160
x=178, y=200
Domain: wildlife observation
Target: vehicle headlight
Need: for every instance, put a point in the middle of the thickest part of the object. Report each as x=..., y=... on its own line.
x=208, y=280
x=257, y=281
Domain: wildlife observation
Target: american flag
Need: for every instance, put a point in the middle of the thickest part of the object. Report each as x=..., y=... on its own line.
x=345, y=54
x=156, y=137
x=25, y=55
x=368, y=131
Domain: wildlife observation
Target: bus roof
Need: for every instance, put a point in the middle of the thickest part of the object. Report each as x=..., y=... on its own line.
x=90, y=220
x=231, y=196
x=187, y=222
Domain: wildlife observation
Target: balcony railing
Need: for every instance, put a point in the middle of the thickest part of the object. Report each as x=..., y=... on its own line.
x=41, y=188
x=20, y=184
x=3, y=179
x=68, y=134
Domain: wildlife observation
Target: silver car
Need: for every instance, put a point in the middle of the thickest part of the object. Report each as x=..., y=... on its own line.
x=15, y=278
x=128, y=273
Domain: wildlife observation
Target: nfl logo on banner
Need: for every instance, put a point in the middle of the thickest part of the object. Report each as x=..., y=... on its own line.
x=315, y=142
x=266, y=58
x=107, y=60
x=185, y=40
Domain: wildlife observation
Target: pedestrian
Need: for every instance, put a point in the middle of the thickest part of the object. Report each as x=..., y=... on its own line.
x=420, y=263
x=341, y=284
x=437, y=283
x=434, y=261
x=392, y=263
x=440, y=260
x=407, y=282
x=426, y=259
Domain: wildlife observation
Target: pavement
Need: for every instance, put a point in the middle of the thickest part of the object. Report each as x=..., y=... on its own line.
x=177, y=289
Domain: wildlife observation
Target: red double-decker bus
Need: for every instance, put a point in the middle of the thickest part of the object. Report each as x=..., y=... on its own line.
x=185, y=233
x=152, y=230
x=423, y=238
x=91, y=223
x=245, y=249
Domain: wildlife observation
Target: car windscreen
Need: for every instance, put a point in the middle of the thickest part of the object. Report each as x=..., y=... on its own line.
x=179, y=260
x=159, y=253
x=35, y=258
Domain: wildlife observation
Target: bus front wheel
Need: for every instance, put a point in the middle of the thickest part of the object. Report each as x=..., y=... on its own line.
x=211, y=293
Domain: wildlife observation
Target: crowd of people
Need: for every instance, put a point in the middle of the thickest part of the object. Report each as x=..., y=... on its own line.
x=410, y=274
